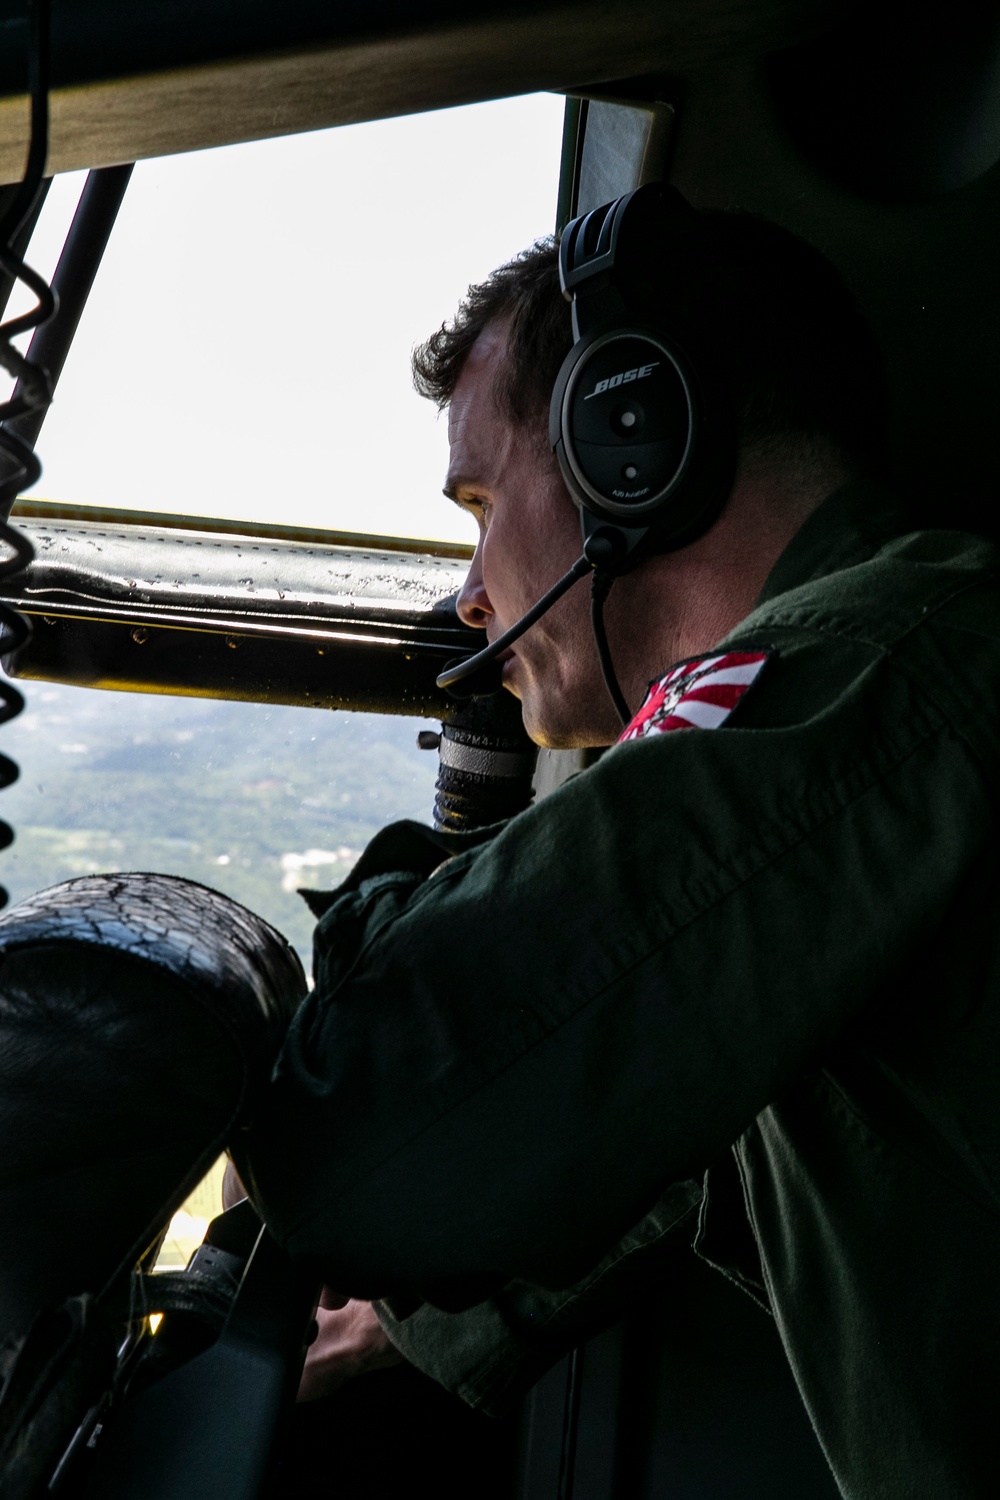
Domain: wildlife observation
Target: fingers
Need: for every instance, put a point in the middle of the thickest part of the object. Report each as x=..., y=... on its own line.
x=349, y=1342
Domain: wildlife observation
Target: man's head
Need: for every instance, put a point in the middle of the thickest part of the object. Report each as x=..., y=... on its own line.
x=805, y=384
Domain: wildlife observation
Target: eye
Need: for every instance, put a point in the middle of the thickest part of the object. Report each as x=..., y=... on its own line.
x=479, y=509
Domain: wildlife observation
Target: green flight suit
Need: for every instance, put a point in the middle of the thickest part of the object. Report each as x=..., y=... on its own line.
x=773, y=945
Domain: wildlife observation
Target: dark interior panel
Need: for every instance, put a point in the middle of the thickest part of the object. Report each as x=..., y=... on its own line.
x=925, y=272
x=101, y=39
x=133, y=81
x=710, y=1410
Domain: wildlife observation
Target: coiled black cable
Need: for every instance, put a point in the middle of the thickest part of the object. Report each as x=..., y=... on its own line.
x=32, y=388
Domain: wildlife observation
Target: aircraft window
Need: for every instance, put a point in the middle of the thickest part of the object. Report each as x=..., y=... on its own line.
x=254, y=799
x=245, y=356
x=245, y=350
x=187, y=1227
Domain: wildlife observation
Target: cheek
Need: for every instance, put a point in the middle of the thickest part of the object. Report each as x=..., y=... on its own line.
x=563, y=534
x=505, y=558
x=532, y=539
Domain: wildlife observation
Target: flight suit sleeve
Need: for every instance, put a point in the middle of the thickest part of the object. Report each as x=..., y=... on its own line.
x=493, y=1353
x=502, y=1067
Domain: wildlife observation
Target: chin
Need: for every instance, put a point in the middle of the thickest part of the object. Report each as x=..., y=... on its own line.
x=557, y=727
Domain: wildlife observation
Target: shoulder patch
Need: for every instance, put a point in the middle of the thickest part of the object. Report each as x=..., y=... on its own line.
x=697, y=694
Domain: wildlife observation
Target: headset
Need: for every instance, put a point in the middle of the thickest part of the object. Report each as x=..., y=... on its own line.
x=639, y=420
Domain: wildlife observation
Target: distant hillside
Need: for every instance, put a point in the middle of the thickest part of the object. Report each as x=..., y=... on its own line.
x=251, y=799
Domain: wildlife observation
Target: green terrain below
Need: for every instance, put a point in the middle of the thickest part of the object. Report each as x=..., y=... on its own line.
x=251, y=799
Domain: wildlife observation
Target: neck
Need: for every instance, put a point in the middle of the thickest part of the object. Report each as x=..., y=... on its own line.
x=681, y=604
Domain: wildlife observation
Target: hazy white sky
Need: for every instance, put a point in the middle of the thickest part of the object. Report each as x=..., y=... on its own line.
x=245, y=351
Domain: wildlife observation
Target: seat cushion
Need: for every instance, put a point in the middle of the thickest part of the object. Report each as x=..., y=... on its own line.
x=139, y=1017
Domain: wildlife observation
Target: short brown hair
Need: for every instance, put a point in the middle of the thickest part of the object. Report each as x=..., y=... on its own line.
x=798, y=356
x=525, y=295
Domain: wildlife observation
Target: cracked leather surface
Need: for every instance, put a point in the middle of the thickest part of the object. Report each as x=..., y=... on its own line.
x=198, y=933
x=140, y=1016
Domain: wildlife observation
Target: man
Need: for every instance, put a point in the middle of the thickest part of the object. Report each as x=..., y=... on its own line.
x=732, y=976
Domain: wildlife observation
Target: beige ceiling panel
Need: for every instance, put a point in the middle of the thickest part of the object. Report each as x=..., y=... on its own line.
x=247, y=99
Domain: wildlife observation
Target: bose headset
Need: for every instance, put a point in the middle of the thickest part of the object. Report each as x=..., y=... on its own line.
x=642, y=432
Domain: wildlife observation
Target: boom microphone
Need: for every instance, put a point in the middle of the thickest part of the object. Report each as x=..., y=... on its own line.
x=457, y=674
x=604, y=550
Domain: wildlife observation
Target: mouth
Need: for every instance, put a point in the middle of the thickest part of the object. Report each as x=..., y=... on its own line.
x=504, y=662
x=504, y=655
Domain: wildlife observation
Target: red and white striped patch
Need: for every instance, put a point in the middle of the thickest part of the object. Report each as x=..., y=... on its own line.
x=699, y=694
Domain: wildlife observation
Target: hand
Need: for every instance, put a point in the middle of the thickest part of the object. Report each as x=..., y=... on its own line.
x=350, y=1342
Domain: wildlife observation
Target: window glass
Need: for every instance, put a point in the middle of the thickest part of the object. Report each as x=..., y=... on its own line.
x=245, y=355
x=245, y=351
x=187, y=1227
x=253, y=799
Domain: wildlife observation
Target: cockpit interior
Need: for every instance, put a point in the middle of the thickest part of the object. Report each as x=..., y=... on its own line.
x=228, y=592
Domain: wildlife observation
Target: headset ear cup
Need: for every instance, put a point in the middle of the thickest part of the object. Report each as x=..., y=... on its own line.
x=639, y=421
x=628, y=423
x=640, y=441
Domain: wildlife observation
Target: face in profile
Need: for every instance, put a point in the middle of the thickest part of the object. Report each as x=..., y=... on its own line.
x=505, y=476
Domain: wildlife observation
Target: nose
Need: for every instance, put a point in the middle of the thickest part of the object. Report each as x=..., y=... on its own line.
x=473, y=602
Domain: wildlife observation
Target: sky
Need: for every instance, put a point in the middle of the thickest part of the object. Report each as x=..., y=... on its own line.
x=245, y=351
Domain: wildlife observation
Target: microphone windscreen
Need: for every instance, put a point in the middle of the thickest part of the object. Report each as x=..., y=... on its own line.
x=482, y=684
